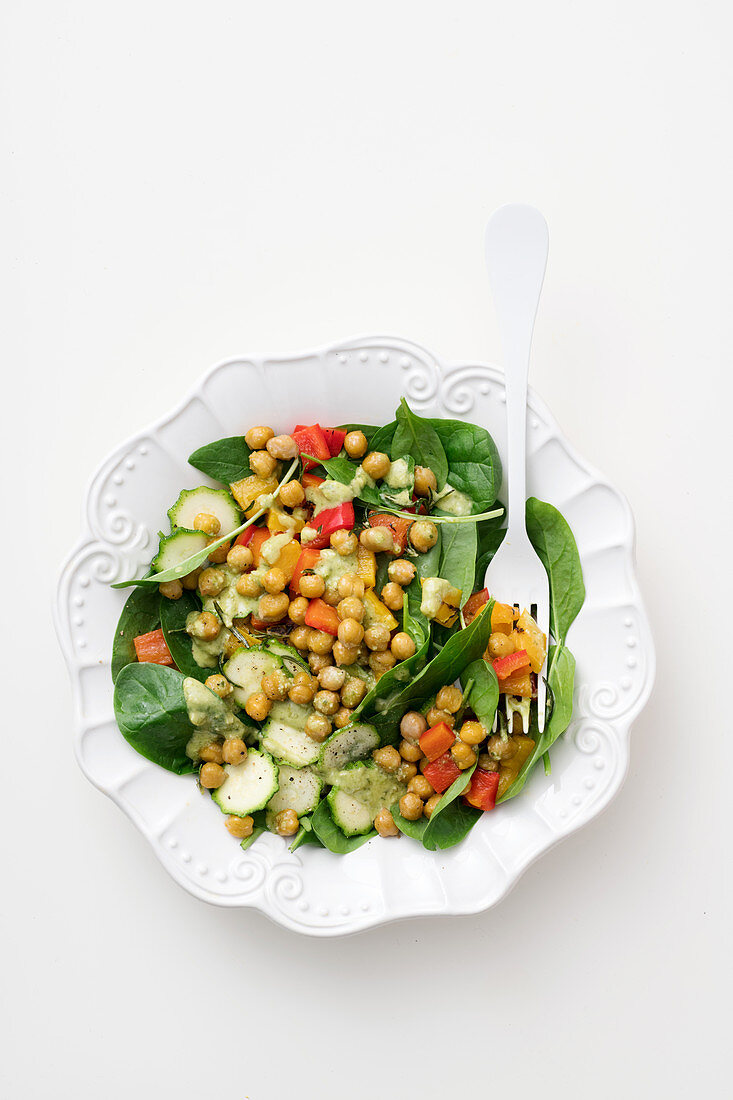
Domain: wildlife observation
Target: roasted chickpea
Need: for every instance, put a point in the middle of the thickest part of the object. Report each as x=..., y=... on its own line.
x=321, y=642
x=258, y=706
x=319, y=661
x=300, y=637
x=350, y=608
x=430, y=805
x=355, y=444
x=351, y=632
x=286, y=823
x=332, y=678
x=302, y=689
x=219, y=685
x=326, y=702
x=393, y=596
x=353, y=691
x=350, y=585
x=212, y=754
x=262, y=463
x=272, y=608
x=384, y=822
x=472, y=733
x=256, y=438
x=212, y=582
x=411, y=807
x=377, y=539
x=292, y=494
x=311, y=586
x=218, y=555
x=317, y=727
x=425, y=481
x=502, y=748
x=376, y=464
x=387, y=758
x=249, y=585
x=405, y=772
x=275, y=685
x=413, y=725
x=207, y=523
x=402, y=646
x=463, y=755
x=172, y=590
x=436, y=715
x=382, y=662
x=344, y=543
x=500, y=645
x=342, y=717
x=377, y=637
x=410, y=752
x=240, y=827
x=282, y=447
x=421, y=786
x=449, y=698
x=212, y=776
x=239, y=558
x=274, y=580
x=401, y=571
x=331, y=595
x=205, y=626
x=297, y=610
x=191, y=581
x=423, y=535
x=234, y=750
x=344, y=654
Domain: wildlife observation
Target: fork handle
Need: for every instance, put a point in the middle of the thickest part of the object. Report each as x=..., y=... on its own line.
x=516, y=256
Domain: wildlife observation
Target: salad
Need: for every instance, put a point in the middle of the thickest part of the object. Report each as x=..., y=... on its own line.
x=314, y=643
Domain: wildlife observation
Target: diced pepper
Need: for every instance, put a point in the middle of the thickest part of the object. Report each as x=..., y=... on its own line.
x=442, y=772
x=474, y=604
x=329, y=520
x=335, y=438
x=482, y=790
x=366, y=566
x=505, y=666
x=519, y=683
x=449, y=607
x=258, y=540
x=321, y=616
x=502, y=618
x=510, y=769
x=375, y=612
x=246, y=492
x=307, y=561
x=437, y=740
x=309, y=481
x=152, y=649
x=288, y=559
x=311, y=441
x=278, y=520
x=396, y=524
x=527, y=635
x=245, y=538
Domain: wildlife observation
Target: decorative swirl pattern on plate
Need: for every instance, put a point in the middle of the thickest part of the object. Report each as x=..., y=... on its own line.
x=421, y=380
x=285, y=884
x=251, y=870
x=604, y=700
x=460, y=388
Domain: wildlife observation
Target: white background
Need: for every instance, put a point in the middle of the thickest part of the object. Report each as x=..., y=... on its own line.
x=182, y=182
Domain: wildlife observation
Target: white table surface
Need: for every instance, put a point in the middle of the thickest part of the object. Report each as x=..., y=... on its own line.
x=183, y=182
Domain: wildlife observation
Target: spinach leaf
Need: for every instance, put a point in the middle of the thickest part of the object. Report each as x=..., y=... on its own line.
x=561, y=679
x=554, y=542
x=484, y=698
x=382, y=439
x=225, y=460
x=258, y=829
x=458, y=559
x=140, y=615
x=451, y=820
x=342, y=469
x=417, y=437
x=331, y=836
x=173, y=615
x=150, y=709
x=474, y=466
x=369, y=430
x=305, y=834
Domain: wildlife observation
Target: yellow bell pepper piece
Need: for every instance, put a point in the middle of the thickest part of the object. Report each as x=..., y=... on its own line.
x=366, y=566
x=246, y=491
x=375, y=613
x=288, y=558
x=502, y=618
x=278, y=520
x=449, y=608
x=510, y=769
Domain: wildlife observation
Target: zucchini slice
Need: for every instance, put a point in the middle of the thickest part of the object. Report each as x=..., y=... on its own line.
x=245, y=669
x=214, y=502
x=346, y=745
x=352, y=817
x=249, y=786
x=300, y=790
x=288, y=743
x=359, y=792
x=177, y=547
x=288, y=654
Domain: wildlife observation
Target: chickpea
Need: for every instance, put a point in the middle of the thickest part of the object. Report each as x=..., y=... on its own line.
x=430, y=805
x=319, y=661
x=425, y=481
x=239, y=558
x=502, y=748
x=463, y=755
x=350, y=633
x=274, y=580
x=212, y=776
x=342, y=717
x=384, y=822
x=275, y=685
x=258, y=706
x=301, y=636
x=377, y=638
x=355, y=444
x=326, y=702
x=393, y=596
x=500, y=645
x=262, y=463
x=256, y=438
x=410, y=752
x=411, y=807
x=413, y=725
x=423, y=535
x=286, y=823
x=207, y=523
x=331, y=595
x=234, y=750
x=282, y=447
x=382, y=662
x=218, y=555
x=212, y=754
x=344, y=654
x=302, y=689
x=317, y=727
x=487, y=763
x=350, y=608
x=311, y=586
x=449, y=698
x=378, y=539
x=240, y=827
x=297, y=610
x=272, y=608
x=402, y=646
x=353, y=691
x=321, y=642
x=472, y=733
x=219, y=685
x=332, y=678
x=436, y=715
x=211, y=582
x=421, y=786
x=292, y=494
x=344, y=543
x=401, y=571
x=350, y=585
x=387, y=758
x=406, y=772
x=376, y=464
x=249, y=585
x=191, y=581
x=206, y=627
x=172, y=590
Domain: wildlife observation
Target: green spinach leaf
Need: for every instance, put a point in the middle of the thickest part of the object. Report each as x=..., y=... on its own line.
x=258, y=829
x=140, y=615
x=151, y=712
x=554, y=542
x=417, y=437
x=474, y=466
x=225, y=460
x=451, y=820
x=369, y=430
x=173, y=615
x=458, y=558
x=484, y=697
x=382, y=439
x=331, y=836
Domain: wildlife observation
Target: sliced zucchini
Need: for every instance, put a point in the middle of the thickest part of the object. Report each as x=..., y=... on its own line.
x=288, y=654
x=359, y=792
x=287, y=743
x=213, y=502
x=300, y=790
x=249, y=786
x=177, y=547
x=346, y=745
x=352, y=816
x=291, y=714
x=245, y=669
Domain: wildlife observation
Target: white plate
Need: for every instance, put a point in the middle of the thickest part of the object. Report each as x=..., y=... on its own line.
x=312, y=891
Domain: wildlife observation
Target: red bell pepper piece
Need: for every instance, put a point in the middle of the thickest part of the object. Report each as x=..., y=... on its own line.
x=321, y=616
x=311, y=441
x=326, y=522
x=245, y=538
x=437, y=740
x=309, y=481
x=442, y=772
x=307, y=561
x=396, y=524
x=259, y=538
x=505, y=666
x=481, y=792
x=474, y=604
x=335, y=438
x=152, y=649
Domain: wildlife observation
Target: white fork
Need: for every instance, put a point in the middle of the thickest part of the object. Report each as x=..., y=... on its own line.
x=516, y=256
